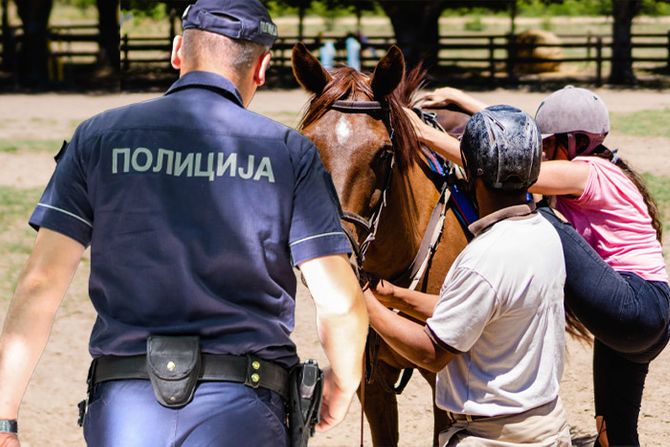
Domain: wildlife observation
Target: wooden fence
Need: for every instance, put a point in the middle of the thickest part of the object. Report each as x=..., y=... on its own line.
x=488, y=56
x=493, y=56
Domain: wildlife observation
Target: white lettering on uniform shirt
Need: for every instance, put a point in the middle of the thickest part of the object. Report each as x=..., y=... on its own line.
x=179, y=164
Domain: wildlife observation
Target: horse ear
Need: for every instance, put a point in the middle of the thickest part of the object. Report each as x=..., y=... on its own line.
x=308, y=70
x=388, y=73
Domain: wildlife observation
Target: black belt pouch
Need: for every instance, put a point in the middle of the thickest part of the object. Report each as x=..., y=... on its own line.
x=173, y=364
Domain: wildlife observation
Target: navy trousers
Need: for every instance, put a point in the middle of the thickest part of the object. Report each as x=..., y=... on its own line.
x=126, y=413
x=630, y=320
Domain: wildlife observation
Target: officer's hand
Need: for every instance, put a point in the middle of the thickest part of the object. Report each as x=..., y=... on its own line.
x=335, y=403
x=9, y=440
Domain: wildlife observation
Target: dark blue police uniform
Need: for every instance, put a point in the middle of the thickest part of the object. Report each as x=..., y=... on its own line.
x=196, y=210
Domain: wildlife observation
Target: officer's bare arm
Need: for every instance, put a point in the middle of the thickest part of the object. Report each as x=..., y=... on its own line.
x=406, y=337
x=342, y=322
x=40, y=290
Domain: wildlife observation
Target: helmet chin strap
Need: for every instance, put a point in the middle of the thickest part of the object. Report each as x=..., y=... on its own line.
x=595, y=140
x=572, y=146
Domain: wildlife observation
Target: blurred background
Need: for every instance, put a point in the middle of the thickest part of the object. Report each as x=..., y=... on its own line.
x=125, y=44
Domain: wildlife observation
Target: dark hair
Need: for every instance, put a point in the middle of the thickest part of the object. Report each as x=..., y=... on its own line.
x=603, y=152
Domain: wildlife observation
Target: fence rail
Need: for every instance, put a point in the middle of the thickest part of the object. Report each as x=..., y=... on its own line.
x=496, y=56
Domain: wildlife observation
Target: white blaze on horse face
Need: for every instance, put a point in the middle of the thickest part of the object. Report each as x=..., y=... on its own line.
x=343, y=130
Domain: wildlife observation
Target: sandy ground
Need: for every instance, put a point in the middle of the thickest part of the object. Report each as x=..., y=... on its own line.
x=48, y=415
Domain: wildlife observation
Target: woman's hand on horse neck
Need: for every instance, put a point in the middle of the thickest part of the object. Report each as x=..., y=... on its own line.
x=446, y=96
x=442, y=143
x=417, y=304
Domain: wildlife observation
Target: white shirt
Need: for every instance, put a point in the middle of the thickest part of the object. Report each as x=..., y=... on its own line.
x=501, y=306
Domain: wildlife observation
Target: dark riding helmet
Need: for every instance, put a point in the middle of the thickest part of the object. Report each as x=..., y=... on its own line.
x=502, y=145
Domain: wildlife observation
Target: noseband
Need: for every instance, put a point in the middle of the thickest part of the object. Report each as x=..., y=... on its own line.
x=379, y=111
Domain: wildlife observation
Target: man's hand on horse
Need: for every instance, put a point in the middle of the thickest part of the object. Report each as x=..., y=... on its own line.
x=381, y=291
x=449, y=97
x=9, y=440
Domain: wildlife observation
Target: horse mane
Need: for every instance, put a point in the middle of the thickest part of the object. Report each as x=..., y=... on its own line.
x=348, y=83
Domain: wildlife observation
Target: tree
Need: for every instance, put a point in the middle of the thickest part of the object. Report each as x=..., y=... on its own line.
x=623, y=12
x=34, y=52
x=415, y=23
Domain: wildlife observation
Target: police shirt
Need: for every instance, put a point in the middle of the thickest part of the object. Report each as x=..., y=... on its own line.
x=195, y=209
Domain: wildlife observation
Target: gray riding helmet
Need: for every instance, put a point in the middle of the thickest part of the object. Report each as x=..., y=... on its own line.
x=502, y=145
x=574, y=110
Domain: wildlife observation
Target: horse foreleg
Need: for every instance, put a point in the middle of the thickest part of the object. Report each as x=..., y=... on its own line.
x=440, y=419
x=381, y=407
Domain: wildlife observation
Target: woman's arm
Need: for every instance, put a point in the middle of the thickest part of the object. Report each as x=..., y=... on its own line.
x=561, y=177
x=442, y=143
x=443, y=97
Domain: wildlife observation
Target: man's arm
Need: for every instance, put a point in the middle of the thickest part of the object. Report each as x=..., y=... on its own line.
x=40, y=290
x=417, y=304
x=406, y=337
x=342, y=323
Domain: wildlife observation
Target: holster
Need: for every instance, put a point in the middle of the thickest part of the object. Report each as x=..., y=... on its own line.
x=305, y=391
x=173, y=365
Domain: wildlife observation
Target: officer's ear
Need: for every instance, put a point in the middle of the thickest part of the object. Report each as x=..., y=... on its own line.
x=261, y=67
x=176, y=56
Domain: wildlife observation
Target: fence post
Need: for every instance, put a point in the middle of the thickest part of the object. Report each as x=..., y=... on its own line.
x=511, y=55
x=126, y=61
x=589, y=39
x=599, y=61
x=492, y=60
x=668, y=49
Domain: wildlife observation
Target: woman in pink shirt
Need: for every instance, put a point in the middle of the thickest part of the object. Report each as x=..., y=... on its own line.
x=616, y=284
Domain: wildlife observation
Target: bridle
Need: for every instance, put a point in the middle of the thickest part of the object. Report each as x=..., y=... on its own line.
x=380, y=111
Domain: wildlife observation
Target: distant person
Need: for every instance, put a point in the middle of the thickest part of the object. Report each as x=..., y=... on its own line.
x=327, y=54
x=353, y=48
x=196, y=211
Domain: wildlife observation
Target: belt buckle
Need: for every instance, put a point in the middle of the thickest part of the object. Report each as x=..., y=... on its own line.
x=253, y=375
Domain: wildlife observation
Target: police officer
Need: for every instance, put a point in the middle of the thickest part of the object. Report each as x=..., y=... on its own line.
x=195, y=210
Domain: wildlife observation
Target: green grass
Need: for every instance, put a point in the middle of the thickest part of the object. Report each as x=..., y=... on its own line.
x=15, y=146
x=646, y=123
x=659, y=187
x=16, y=204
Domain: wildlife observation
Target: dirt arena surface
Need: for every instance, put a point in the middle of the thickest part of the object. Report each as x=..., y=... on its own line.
x=49, y=414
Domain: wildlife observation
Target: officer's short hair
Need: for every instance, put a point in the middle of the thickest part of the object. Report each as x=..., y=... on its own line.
x=203, y=46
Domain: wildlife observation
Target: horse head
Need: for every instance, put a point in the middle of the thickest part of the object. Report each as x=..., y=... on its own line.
x=357, y=123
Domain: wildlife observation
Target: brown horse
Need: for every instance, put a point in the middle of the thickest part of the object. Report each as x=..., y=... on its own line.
x=383, y=180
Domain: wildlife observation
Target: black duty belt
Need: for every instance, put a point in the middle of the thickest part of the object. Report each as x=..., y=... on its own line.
x=248, y=370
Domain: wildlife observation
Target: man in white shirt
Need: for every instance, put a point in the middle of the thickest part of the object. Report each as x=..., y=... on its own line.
x=496, y=334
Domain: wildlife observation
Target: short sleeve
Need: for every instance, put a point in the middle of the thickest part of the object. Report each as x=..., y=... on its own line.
x=595, y=184
x=316, y=229
x=466, y=305
x=64, y=206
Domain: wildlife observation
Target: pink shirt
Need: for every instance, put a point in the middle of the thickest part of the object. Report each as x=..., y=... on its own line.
x=612, y=217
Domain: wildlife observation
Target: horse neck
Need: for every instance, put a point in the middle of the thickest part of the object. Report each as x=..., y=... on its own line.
x=410, y=201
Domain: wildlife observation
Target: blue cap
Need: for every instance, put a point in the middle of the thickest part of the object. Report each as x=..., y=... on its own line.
x=236, y=19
